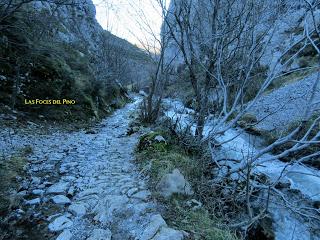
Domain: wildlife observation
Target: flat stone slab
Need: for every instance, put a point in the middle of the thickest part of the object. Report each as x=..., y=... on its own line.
x=65, y=235
x=77, y=209
x=60, y=224
x=35, y=201
x=143, y=195
x=156, y=222
x=58, y=188
x=61, y=199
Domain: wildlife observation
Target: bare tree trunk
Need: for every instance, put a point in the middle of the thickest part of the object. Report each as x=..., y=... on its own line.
x=16, y=87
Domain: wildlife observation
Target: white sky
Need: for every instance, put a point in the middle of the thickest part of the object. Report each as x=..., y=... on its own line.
x=120, y=17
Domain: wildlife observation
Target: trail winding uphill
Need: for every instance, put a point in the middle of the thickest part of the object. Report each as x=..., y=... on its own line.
x=86, y=186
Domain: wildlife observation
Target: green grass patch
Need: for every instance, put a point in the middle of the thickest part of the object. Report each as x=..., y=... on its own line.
x=157, y=159
x=199, y=223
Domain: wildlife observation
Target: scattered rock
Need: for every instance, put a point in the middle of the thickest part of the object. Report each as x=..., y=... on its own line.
x=65, y=235
x=143, y=195
x=159, y=138
x=47, y=184
x=133, y=130
x=71, y=191
x=61, y=199
x=174, y=183
x=33, y=201
x=58, y=188
x=60, y=223
x=194, y=204
x=63, y=170
x=22, y=193
x=24, y=185
x=166, y=233
x=90, y=191
x=38, y=192
x=156, y=222
x=143, y=93
x=77, y=209
x=2, y=78
x=35, y=180
x=113, y=205
x=100, y=234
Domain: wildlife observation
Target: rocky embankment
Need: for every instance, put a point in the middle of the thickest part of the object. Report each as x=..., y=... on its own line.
x=286, y=105
x=83, y=185
x=293, y=201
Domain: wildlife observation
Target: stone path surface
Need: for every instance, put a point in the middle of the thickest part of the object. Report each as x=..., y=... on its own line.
x=87, y=186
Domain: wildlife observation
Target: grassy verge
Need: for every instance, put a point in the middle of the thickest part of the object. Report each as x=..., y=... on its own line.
x=156, y=159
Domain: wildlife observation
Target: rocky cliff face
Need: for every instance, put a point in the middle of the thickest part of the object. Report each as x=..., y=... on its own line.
x=57, y=50
x=281, y=23
x=286, y=17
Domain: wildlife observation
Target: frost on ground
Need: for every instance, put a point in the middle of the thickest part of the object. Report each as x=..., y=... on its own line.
x=286, y=105
x=303, y=182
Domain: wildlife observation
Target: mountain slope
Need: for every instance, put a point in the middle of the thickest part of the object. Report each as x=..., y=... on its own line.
x=57, y=50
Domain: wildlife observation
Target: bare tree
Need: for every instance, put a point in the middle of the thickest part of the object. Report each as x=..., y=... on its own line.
x=155, y=45
x=227, y=40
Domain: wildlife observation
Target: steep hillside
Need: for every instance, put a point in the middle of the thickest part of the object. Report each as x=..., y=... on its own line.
x=248, y=77
x=55, y=50
x=284, y=54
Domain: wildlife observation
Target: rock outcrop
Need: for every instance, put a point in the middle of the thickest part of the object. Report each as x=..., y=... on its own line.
x=173, y=183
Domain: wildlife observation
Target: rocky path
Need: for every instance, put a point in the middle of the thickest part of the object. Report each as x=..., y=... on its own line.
x=86, y=186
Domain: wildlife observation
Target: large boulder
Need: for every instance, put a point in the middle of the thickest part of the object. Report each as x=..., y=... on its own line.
x=172, y=183
x=157, y=229
x=156, y=222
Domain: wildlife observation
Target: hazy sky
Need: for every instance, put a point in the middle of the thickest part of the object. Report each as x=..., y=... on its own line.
x=120, y=17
